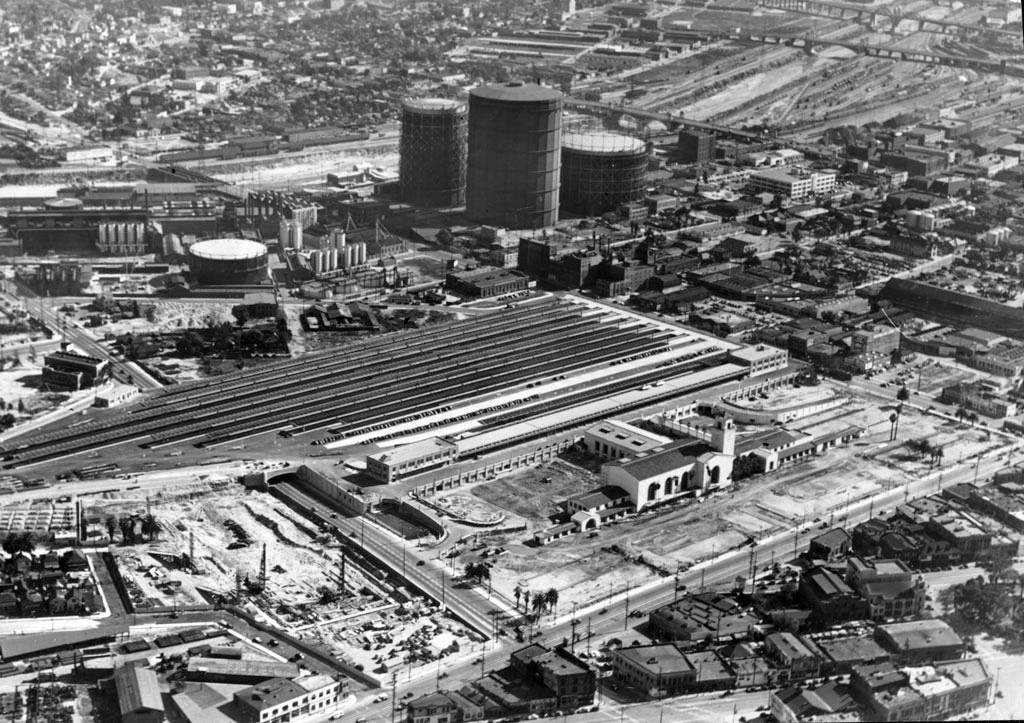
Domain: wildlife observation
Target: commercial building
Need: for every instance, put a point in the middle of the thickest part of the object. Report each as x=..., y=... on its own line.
x=980, y=398
x=795, y=657
x=890, y=587
x=697, y=617
x=919, y=641
x=823, y=702
x=138, y=695
x=659, y=670
x=830, y=598
x=938, y=692
x=571, y=680
x=388, y=465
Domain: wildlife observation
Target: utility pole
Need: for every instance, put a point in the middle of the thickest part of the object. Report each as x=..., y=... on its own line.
x=753, y=568
x=394, y=695
x=625, y=618
x=572, y=640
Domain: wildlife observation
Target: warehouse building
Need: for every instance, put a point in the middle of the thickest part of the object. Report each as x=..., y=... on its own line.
x=486, y=282
x=138, y=695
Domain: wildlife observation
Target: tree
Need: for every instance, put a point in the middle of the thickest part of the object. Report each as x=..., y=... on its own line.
x=127, y=526
x=538, y=606
x=551, y=599
x=518, y=592
x=111, y=523
x=150, y=527
x=241, y=314
x=903, y=394
x=961, y=413
x=972, y=418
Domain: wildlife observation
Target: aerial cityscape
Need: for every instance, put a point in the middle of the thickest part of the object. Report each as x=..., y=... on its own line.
x=382, y=361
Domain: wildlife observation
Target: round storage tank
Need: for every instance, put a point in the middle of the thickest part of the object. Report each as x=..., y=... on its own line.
x=601, y=171
x=227, y=262
x=515, y=139
x=432, y=149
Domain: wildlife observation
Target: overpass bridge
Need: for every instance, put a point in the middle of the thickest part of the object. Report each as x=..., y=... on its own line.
x=670, y=121
x=876, y=15
x=809, y=43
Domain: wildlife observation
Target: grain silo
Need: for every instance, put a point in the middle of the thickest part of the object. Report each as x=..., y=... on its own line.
x=515, y=138
x=432, y=149
x=601, y=171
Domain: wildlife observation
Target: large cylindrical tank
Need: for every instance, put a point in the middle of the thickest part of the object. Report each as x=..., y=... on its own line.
x=360, y=253
x=332, y=260
x=515, y=139
x=432, y=165
x=317, y=261
x=227, y=262
x=349, y=252
x=601, y=171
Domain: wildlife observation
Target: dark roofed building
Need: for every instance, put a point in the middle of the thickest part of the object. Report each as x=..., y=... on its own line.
x=484, y=283
x=831, y=545
x=953, y=307
x=920, y=641
x=831, y=599
x=68, y=371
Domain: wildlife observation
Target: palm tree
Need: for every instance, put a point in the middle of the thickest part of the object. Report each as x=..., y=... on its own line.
x=518, y=592
x=961, y=413
x=150, y=527
x=551, y=599
x=538, y=605
x=111, y=523
x=972, y=418
x=526, y=600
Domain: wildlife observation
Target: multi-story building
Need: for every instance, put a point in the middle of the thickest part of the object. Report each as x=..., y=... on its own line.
x=388, y=465
x=696, y=147
x=890, y=587
x=684, y=466
x=280, y=699
x=702, y=616
x=874, y=339
x=659, y=670
x=942, y=691
x=795, y=657
x=792, y=183
x=760, y=359
x=918, y=641
x=977, y=397
x=571, y=680
x=68, y=371
x=831, y=599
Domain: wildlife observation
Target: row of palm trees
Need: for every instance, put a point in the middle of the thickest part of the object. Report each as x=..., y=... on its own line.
x=127, y=526
x=924, y=447
x=536, y=604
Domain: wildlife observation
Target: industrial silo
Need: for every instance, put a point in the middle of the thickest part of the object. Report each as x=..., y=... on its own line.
x=601, y=171
x=227, y=261
x=515, y=138
x=432, y=149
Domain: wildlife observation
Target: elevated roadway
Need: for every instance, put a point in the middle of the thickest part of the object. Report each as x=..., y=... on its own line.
x=874, y=14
